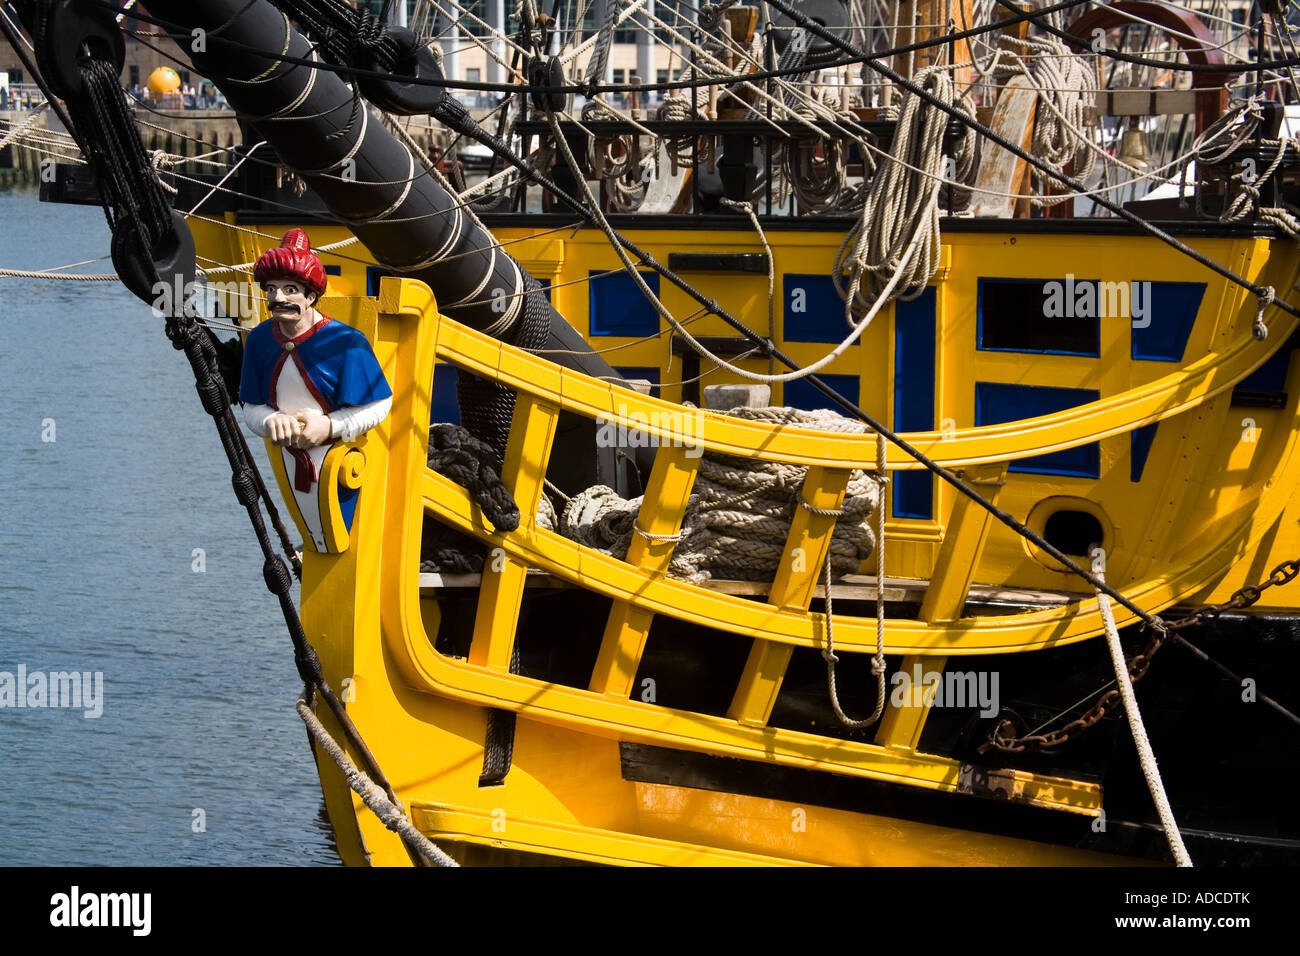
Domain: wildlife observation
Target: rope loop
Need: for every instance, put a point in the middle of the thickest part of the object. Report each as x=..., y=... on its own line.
x=657, y=538
x=1266, y=297
x=822, y=512
x=212, y=393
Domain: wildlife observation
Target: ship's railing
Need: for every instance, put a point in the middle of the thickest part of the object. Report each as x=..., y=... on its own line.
x=640, y=588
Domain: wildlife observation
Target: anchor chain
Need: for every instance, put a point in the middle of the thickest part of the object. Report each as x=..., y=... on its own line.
x=1002, y=737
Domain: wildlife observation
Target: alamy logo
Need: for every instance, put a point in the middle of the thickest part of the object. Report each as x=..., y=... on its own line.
x=74, y=908
x=633, y=429
x=946, y=689
x=1091, y=299
x=234, y=299
x=82, y=689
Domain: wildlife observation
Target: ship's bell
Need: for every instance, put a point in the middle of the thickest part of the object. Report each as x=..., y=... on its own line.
x=1133, y=148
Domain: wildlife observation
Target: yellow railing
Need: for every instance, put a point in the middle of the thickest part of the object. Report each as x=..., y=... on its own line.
x=640, y=589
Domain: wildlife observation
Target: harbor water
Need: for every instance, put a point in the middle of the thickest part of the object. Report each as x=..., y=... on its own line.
x=125, y=559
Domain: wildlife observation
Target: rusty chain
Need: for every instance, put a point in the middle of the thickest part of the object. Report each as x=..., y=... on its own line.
x=1002, y=737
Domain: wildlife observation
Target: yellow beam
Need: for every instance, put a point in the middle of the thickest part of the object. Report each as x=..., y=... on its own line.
x=806, y=547
x=954, y=570
x=660, y=518
x=532, y=433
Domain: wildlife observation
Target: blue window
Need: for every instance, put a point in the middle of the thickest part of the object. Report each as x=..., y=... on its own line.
x=914, y=334
x=1140, y=440
x=618, y=307
x=996, y=403
x=1269, y=377
x=1043, y=316
x=813, y=310
x=1163, y=322
x=373, y=275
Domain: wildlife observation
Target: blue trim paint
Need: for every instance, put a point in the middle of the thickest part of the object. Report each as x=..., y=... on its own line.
x=997, y=402
x=333, y=270
x=348, y=504
x=800, y=394
x=1172, y=314
x=616, y=305
x=914, y=378
x=443, y=406
x=822, y=318
x=1140, y=440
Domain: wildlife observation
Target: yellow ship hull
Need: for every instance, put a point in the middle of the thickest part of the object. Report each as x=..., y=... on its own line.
x=1211, y=507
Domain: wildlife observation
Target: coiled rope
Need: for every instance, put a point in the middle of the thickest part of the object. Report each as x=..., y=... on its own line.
x=739, y=512
x=894, y=246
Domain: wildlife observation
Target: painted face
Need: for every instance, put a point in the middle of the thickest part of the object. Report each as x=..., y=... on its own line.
x=287, y=299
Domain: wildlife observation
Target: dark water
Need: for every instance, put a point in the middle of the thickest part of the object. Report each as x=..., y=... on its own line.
x=97, y=536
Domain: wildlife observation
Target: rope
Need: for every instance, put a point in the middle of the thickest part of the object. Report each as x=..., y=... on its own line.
x=18, y=130
x=473, y=464
x=373, y=796
x=749, y=209
x=599, y=61
x=739, y=512
x=1067, y=86
x=894, y=247
x=71, y=277
x=1145, y=755
x=1259, y=329
x=878, y=659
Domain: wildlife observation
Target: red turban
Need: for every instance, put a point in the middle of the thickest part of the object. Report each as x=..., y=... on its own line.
x=292, y=260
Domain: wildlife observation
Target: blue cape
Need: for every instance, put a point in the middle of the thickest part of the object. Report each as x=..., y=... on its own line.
x=339, y=365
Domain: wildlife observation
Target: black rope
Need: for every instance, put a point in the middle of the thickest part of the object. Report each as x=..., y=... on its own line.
x=345, y=36
x=474, y=465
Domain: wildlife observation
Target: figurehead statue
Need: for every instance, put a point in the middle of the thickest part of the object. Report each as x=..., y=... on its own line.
x=292, y=259
x=308, y=380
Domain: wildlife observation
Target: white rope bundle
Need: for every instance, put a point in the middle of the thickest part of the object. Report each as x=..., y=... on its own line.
x=739, y=513
x=895, y=243
x=1066, y=86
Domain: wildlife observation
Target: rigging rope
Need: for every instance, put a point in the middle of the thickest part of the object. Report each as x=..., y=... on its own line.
x=374, y=797
x=894, y=246
x=1146, y=756
x=878, y=666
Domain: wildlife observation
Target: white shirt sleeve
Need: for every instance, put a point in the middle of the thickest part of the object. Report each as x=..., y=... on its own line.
x=255, y=417
x=354, y=420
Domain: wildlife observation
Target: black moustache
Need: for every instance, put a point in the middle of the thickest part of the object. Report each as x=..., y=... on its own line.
x=286, y=305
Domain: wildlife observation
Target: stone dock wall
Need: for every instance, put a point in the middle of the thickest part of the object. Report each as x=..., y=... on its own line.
x=188, y=133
